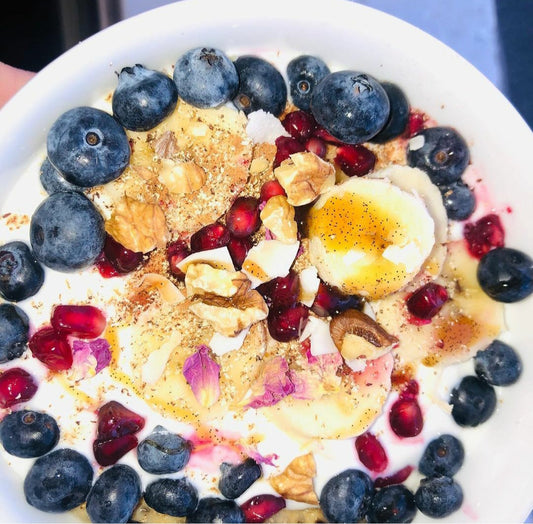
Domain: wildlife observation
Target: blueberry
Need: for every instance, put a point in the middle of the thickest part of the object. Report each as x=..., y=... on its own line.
x=441, y=152
x=14, y=327
x=28, y=434
x=438, y=497
x=304, y=73
x=143, y=98
x=175, y=497
x=498, y=364
x=350, y=105
x=398, y=116
x=67, y=232
x=205, y=77
x=261, y=86
x=88, y=147
x=58, y=481
x=458, y=199
x=21, y=275
x=444, y=455
x=52, y=180
x=115, y=494
x=392, y=504
x=213, y=509
x=163, y=452
x=237, y=478
x=506, y=274
x=473, y=401
x=346, y=496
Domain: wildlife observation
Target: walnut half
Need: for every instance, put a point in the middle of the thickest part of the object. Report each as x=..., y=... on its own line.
x=296, y=481
x=278, y=216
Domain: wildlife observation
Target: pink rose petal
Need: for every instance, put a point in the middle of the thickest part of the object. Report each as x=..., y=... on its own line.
x=90, y=357
x=273, y=385
x=202, y=374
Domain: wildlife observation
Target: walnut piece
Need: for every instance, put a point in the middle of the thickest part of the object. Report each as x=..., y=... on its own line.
x=278, y=216
x=202, y=279
x=137, y=225
x=181, y=177
x=296, y=481
x=230, y=315
x=304, y=176
x=165, y=146
x=306, y=515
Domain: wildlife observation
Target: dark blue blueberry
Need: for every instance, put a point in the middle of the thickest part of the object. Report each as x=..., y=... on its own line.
x=261, y=86
x=58, y=481
x=52, y=180
x=115, y=494
x=346, y=496
x=213, y=509
x=398, y=116
x=88, y=147
x=506, y=274
x=473, y=401
x=441, y=152
x=442, y=456
x=392, y=504
x=350, y=105
x=14, y=327
x=438, y=497
x=237, y=478
x=206, y=77
x=163, y=452
x=175, y=497
x=21, y=276
x=143, y=98
x=67, y=232
x=28, y=434
x=498, y=364
x=304, y=73
x=458, y=199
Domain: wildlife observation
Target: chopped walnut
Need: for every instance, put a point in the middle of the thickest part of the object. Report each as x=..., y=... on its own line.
x=259, y=165
x=165, y=146
x=231, y=315
x=296, y=481
x=146, y=173
x=181, y=177
x=278, y=216
x=304, y=176
x=306, y=515
x=137, y=225
x=202, y=279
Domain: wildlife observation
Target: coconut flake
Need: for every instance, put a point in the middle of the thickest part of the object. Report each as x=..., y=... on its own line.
x=264, y=127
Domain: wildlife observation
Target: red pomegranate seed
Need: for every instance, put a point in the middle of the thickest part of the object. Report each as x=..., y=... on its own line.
x=317, y=146
x=270, y=189
x=288, y=323
x=427, y=301
x=396, y=478
x=51, y=348
x=107, y=452
x=281, y=292
x=405, y=418
x=410, y=390
x=371, y=452
x=262, y=507
x=78, y=321
x=321, y=133
x=238, y=249
x=330, y=301
x=16, y=385
x=355, y=160
x=105, y=268
x=176, y=252
x=415, y=123
x=299, y=124
x=484, y=235
x=116, y=420
x=124, y=260
x=242, y=218
x=210, y=237
x=286, y=146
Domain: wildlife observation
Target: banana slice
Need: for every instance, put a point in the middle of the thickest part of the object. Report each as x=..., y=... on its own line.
x=369, y=237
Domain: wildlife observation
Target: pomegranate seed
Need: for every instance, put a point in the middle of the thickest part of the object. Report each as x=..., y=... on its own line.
x=281, y=292
x=176, y=252
x=410, y=390
x=371, y=452
x=299, y=124
x=107, y=452
x=242, y=218
x=116, y=420
x=415, y=123
x=78, y=321
x=105, y=268
x=210, y=237
x=270, y=189
x=427, y=301
x=317, y=146
x=330, y=301
x=124, y=260
x=321, y=133
x=484, y=235
x=355, y=160
x=51, y=348
x=405, y=418
x=288, y=323
x=286, y=146
x=262, y=507
x=238, y=249
x=16, y=385
x=396, y=478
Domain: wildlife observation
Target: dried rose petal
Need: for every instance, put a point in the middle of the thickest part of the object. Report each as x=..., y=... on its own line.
x=90, y=357
x=202, y=374
x=273, y=385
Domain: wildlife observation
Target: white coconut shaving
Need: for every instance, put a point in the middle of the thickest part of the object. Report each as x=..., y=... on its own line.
x=264, y=127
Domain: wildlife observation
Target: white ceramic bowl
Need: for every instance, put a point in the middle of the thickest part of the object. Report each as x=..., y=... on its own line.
x=496, y=476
